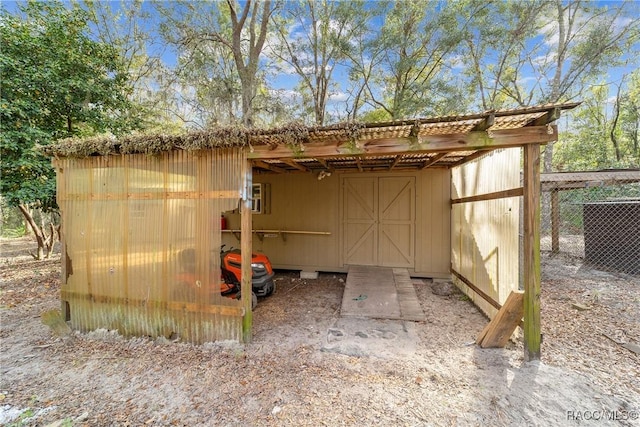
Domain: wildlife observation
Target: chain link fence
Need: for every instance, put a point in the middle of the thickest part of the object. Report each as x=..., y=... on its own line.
x=594, y=217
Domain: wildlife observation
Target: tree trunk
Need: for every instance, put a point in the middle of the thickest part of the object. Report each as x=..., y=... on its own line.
x=37, y=231
x=247, y=69
x=547, y=162
x=614, y=125
x=44, y=242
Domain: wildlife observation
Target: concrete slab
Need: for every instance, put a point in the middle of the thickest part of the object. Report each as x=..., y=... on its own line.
x=358, y=337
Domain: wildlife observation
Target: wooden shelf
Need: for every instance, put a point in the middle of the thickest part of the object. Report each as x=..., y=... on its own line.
x=277, y=233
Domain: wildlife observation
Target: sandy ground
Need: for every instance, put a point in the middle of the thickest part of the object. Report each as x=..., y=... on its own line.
x=307, y=366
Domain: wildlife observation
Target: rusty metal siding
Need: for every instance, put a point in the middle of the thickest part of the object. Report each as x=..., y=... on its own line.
x=128, y=222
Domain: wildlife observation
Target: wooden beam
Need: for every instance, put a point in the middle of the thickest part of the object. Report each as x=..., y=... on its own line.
x=551, y=116
x=155, y=195
x=396, y=161
x=485, y=123
x=181, y=306
x=446, y=119
x=572, y=180
x=264, y=165
x=246, y=226
x=513, y=192
x=431, y=160
x=326, y=165
x=531, y=252
x=294, y=164
x=501, y=138
x=497, y=333
x=470, y=157
x=477, y=290
x=263, y=232
x=603, y=176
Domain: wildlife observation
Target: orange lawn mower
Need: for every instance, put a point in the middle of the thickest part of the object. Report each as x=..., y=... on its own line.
x=262, y=278
x=262, y=282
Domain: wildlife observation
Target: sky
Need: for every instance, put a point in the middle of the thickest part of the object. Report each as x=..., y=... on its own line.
x=285, y=82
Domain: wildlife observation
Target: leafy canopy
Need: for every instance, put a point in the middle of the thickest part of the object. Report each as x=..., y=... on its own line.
x=56, y=82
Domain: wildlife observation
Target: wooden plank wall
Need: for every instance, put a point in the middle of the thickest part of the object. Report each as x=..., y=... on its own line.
x=297, y=202
x=433, y=226
x=128, y=223
x=300, y=201
x=485, y=233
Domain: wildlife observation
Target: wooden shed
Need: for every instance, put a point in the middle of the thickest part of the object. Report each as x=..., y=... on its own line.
x=441, y=197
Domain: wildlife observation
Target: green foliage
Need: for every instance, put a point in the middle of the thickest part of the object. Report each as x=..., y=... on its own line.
x=496, y=37
x=375, y=115
x=121, y=26
x=629, y=121
x=23, y=419
x=572, y=202
x=413, y=50
x=313, y=38
x=12, y=221
x=205, y=79
x=602, y=135
x=56, y=82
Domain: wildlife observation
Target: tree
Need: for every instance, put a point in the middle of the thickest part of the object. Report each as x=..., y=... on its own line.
x=203, y=86
x=313, y=39
x=246, y=52
x=553, y=51
x=496, y=35
x=57, y=83
x=604, y=130
x=581, y=40
x=410, y=59
x=212, y=33
x=585, y=145
x=627, y=120
x=126, y=27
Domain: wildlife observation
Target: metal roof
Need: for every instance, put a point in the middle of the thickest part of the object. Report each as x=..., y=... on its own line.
x=404, y=144
x=412, y=144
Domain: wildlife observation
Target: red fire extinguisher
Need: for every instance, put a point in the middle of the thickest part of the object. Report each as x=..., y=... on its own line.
x=223, y=222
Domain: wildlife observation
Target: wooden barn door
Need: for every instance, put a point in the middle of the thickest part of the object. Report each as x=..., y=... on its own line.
x=396, y=213
x=360, y=220
x=379, y=221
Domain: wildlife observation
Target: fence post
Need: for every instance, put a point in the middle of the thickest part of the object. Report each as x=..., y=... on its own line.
x=531, y=249
x=555, y=221
x=246, y=226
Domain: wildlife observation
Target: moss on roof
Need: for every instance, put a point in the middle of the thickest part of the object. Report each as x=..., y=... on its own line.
x=293, y=134
x=232, y=136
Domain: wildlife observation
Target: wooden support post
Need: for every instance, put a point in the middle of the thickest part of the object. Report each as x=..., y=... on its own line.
x=531, y=248
x=245, y=248
x=500, y=329
x=555, y=221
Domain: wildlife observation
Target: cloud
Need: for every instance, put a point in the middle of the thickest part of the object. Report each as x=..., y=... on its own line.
x=287, y=95
x=544, y=60
x=621, y=23
x=456, y=62
x=525, y=80
x=338, y=96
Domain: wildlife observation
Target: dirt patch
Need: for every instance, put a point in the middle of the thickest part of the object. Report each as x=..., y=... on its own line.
x=309, y=366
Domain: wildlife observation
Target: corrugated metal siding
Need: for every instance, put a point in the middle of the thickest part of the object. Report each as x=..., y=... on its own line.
x=484, y=234
x=142, y=234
